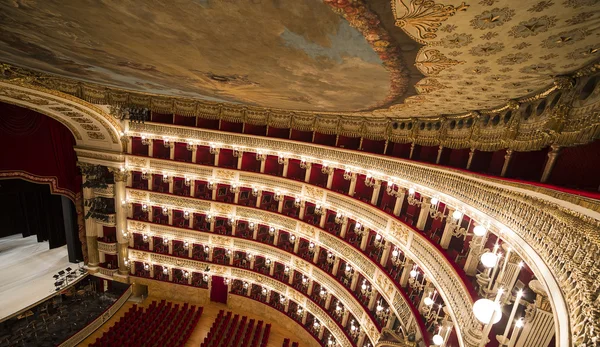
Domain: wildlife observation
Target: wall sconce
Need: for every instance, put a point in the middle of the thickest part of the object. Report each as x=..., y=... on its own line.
x=186, y=245
x=213, y=149
x=326, y=169
x=165, y=211
x=347, y=174
x=209, y=217
x=319, y=209
x=251, y=226
x=271, y=231
x=235, y=188
x=237, y=152
x=298, y=202
x=277, y=196
x=286, y=270
x=167, y=143
x=292, y=239
x=340, y=218
x=369, y=180
x=211, y=185
x=304, y=164
x=330, y=258
x=190, y=146
x=187, y=181
x=255, y=192
x=146, y=141
x=260, y=156
x=145, y=174
x=281, y=159
x=268, y=263
x=186, y=215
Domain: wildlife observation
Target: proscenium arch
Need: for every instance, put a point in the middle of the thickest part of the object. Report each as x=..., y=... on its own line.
x=469, y=192
x=91, y=126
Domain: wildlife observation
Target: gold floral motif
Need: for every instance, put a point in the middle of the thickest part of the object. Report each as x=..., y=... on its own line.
x=433, y=62
x=421, y=19
x=428, y=85
x=224, y=175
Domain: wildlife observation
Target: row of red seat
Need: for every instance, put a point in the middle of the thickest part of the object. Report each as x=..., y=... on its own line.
x=162, y=324
x=226, y=332
x=286, y=343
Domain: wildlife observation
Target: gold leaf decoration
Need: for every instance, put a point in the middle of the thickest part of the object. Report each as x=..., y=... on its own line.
x=421, y=19
x=433, y=61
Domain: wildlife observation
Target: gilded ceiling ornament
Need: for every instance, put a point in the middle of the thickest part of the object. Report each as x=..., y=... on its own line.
x=421, y=19
x=492, y=18
x=95, y=136
x=514, y=58
x=540, y=6
x=521, y=45
x=565, y=38
x=487, y=49
x=580, y=18
x=579, y=3
x=497, y=78
x=537, y=68
x=533, y=26
x=477, y=70
x=584, y=53
x=487, y=2
x=448, y=28
x=428, y=85
x=505, y=69
x=489, y=35
x=457, y=40
x=434, y=62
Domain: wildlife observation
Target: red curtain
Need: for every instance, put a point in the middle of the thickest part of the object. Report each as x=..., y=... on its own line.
x=37, y=148
x=218, y=290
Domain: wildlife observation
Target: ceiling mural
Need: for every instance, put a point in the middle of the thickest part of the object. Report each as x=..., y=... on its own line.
x=272, y=53
x=324, y=56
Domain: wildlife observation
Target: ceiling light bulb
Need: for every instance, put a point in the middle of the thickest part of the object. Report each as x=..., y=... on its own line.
x=484, y=309
x=438, y=340
x=428, y=301
x=457, y=214
x=479, y=230
x=411, y=191
x=413, y=273
x=434, y=201
x=395, y=253
x=489, y=259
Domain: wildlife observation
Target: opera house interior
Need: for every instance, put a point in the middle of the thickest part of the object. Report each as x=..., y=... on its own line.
x=367, y=173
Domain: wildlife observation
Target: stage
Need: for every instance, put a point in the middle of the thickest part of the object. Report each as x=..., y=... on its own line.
x=26, y=271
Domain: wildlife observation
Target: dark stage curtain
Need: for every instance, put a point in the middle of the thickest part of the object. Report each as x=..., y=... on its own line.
x=218, y=290
x=29, y=209
x=37, y=148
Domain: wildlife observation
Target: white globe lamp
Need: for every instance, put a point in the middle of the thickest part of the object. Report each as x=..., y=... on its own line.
x=484, y=309
x=434, y=201
x=479, y=230
x=457, y=214
x=489, y=259
x=428, y=301
x=438, y=340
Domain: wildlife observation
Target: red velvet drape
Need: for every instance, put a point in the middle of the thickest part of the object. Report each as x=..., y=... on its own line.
x=218, y=290
x=39, y=149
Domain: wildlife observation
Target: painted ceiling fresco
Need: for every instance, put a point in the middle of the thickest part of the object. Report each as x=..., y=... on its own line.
x=347, y=57
x=272, y=53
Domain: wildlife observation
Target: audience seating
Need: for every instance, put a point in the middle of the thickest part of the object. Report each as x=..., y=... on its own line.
x=286, y=343
x=234, y=332
x=162, y=324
